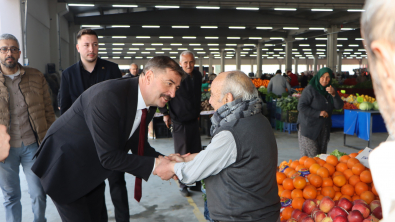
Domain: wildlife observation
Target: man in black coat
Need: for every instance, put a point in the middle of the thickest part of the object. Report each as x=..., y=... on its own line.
x=92, y=139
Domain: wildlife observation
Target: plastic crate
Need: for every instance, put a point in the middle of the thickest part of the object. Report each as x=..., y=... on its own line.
x=290, y=127
x=273, y=122
x=278, y=113
x=292, y=116
x=279, y=125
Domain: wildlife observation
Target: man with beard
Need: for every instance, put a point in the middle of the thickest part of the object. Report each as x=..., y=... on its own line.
x=75, y=80
x=26, y=111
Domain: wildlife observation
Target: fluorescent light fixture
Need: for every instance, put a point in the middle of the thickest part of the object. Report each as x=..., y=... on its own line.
x=143, y=37
x=346, y=29
x=131, y=53
x=176, y=44
x=102, y=44
x=339, y=45
x=150, y=26
x=211, y=37
x=201, y=52
x=282, y=52
x=127, y=57
x=180, y=27
x=102, y=48
x=321, y=39
x=280, y=57
x=243, y=52
x=285, y=9
x=252, y=55
x=167, y=6
x=207, y=7
x=247, y=49
x=298, y=55
x=182, y=49
x=159, y=52
x=278, y=49
x=173, y=52
x=198, y=49
x=321, y=10
x=156, y=43
x=90, y=26
x=189, y=37
x=233, y=37
x=346, y=53
x=208, y=27
x=350, y=50
x=118, y=44
x=295, y=53
x=120, y=26
x=249, y=45
x=134, y=48
x=173, y=57
x=231, y=44
x=106, y=57
x=166, y=49
x=254, y=37
x=81, y=5
x=319, y=53
x=119, y=37
x=195, y=44
x=320, y=45
x=138, y=57
x=265, y=49
x=100, y=36
x=362, y=50
x=247, y=8
x=117, y=57
x=316, y=28
x=264, y=27
x=237, y=27
x=145, y=52
x=137, y=43
x=228, y=57
x=291, y=28
x=353, y=45
x=340, y=39
x=165, y=37
x=150, y=49
x=300, y=38
x=357, y=53
x=276, y=38
x=294, y=49
x=214, y=52
x=322, y=50
x=264, y=55
x=117, y=48
x=270, y=57
x=213, y=49
x=355, y=10
x=269, y=44
x=116, y=52
x=125, y=6
x=359, y=39
x=306, y=49
x=206, y=57
x=213, y=44
x=304, y=45
x=102, y=52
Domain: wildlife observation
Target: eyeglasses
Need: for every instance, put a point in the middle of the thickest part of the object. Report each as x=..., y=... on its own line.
x=4, y=50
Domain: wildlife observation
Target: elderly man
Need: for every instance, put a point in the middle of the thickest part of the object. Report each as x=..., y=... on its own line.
x=377, y=29
x=133, y=71
x=278, y=84
x=26, y=110
x=184, y=111
x=239, y=165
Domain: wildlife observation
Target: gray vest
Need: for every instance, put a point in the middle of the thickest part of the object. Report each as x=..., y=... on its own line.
x=247, y=189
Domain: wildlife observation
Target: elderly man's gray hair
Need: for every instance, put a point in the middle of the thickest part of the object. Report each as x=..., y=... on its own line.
x=7, y=36
x=378, y=22
x=187, y=52
x=239, y=85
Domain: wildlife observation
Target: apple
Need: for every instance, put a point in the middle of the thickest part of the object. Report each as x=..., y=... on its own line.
x=357, y=201
x=307, y=219
x=327, y=219
x=314, y=211
x=377, y=212
x=326, y=204
x=308, y=206
x=371, y=218
x=365, y=211
x=317, y=202
x=335, y=211
x=345, y=204
x=295, y=213
x=340, y=218
x=336, y=202
x=355, y=216
x=291, y=220
x=301, y=216
x=374, y=204
x=319, y=216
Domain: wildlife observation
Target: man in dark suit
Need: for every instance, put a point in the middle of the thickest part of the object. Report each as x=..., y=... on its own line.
x=91, y=140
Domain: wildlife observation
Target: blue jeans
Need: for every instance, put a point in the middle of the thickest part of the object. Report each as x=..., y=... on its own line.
x=10, y=184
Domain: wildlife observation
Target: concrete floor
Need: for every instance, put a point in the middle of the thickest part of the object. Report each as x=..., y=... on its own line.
x=162, y=201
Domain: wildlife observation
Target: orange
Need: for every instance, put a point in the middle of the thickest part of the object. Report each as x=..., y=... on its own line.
x=366, y=177
x=341, y=167
x=347, y=190
x=294, y=164
x=353, y=154
x=290, y=173
x=337, y=195
x=374, y=191
x=351, y=162
x=297, y=203
x=338, y=181
x=360, y=151
x=299, y=182
x=360, y=187
x=287, y=212
x=367, y=196
x=337, y=173
x=331, y=159
x=316, y=158
x=299, y=167
x=280, y=189
x=310, y=192
x=344, y=159
x=336, y=188
x=288, y=184
x=313, y=168
x=346, y=196
x=348, y=173
x=296, y=193
x=308, y=162
x=321, y=162
x=323, y=172
x=302, y=159
x=356, y=197
x=327, y=182
x=286, y=171
x=319, y=197
x=315, y=180
x=358, y=168
x=280, y=177
x=328, y=191
x=354, y=180
x=330, y=168
x=286, y=194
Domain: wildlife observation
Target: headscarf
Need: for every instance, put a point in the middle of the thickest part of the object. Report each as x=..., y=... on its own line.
x=315, y=82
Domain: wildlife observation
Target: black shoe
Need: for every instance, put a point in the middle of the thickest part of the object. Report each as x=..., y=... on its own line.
x=196, y=188
x=184, y=192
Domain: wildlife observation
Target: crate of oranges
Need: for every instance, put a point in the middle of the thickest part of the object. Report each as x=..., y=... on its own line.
x=314, y=178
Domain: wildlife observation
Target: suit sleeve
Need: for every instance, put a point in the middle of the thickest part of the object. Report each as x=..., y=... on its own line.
x=103, y=116
x=64, y=98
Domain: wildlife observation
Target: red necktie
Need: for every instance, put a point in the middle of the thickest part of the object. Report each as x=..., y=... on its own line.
x=137, y=185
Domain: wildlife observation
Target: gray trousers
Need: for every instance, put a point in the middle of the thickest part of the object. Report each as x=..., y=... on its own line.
x=312, y=148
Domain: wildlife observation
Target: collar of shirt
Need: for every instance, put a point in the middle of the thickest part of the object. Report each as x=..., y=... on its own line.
x=94, y=69
x=140, y=101
x=12, y=76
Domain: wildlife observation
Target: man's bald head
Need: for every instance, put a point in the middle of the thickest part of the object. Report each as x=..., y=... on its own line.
x=134, y=69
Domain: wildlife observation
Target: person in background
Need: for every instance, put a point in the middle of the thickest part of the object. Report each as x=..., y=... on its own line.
x=133, y=71
x=4, y=143
x=294, y=79
x=239, y=165
x=27, y=112
x=303, y=80
x=184, y=112
x=278, y=84
x=315, y=108
x=379, y=43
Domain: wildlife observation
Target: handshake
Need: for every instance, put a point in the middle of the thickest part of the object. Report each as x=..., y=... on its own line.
x=164, y=166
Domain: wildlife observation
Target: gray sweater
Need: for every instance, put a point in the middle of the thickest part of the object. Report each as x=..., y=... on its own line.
x=278, y=84
x=311, y=103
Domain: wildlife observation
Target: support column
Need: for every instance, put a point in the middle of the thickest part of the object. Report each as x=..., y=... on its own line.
x=296, y=60
x=222, y=61
x=54, y=32
x=332, y=47
x=339, y=61
x=315, y=64
x=288, y=54
x=201, y=65
x=258, y=60
x=210, y=63
x=238, y=58
x=73, y=53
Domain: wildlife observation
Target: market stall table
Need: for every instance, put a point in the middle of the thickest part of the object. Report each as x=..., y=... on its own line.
x=362, y=124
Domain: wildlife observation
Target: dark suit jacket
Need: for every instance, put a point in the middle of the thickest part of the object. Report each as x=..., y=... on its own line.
x=83, y=146
x=71, y=86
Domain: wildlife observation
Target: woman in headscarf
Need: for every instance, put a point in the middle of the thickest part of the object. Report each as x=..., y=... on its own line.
x=315, y=107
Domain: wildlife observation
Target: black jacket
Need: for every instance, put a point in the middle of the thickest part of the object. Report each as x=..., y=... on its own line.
x=84, y=146
x=71, y=86
x=185, y=106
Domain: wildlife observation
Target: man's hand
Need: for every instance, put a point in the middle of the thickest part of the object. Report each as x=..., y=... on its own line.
x=177, y=157
x=4, y=143
x=167, y=120
x=324, y=114
x=331, y=90
x=164, y=168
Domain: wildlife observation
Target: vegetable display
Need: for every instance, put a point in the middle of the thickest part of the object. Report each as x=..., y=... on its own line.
x=260, y=82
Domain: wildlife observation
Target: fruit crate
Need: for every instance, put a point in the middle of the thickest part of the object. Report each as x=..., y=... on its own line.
x=292, y=116
x=279, y=125
x=290, y=127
